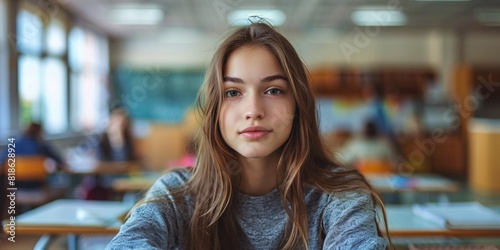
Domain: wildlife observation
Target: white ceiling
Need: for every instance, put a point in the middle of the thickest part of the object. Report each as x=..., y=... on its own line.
x=209, y=16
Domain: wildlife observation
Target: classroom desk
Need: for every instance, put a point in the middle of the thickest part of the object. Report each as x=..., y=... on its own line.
x=135, y=183
x=77, y=217
x=424, y=183
x=404, y=223
x=72, y=218
x=104, y=168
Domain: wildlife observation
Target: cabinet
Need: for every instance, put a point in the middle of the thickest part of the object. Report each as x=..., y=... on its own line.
x=476, y=91
x=348, y=82
x=484, y=159
x=449, y=157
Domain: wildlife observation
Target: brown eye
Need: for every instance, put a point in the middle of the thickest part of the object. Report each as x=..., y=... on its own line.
x=274, y=91
x=231, y=93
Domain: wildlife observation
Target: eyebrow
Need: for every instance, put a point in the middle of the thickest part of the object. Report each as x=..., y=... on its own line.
x=265, y=79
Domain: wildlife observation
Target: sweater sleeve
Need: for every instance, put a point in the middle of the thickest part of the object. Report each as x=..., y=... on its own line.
x=145, y=229
x=349, y=223
x=154, y=224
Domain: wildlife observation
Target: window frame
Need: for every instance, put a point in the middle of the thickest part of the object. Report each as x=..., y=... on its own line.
x=10, y=96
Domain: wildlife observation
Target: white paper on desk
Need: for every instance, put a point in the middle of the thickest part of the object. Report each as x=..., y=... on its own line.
x=463, y=215
x=83, y=215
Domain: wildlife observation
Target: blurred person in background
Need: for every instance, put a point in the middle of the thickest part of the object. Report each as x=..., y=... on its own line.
x=116, y=145
x=32, y=143
x=374, y=93
x=117, y=142
x=370, y=148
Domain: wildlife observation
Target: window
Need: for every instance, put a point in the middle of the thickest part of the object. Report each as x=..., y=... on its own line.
x=54, y=79
x=58, y=72
x=29, y=44
x=29, y=88
x=29, y=32
x=42, y=74
x=54, y=96
x=88, y=62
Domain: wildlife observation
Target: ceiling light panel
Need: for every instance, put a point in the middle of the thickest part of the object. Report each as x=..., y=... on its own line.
x=378, y=17
x=136, y=15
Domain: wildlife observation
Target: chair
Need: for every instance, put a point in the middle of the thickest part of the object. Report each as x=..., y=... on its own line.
x=374, y=167
x=31, y=169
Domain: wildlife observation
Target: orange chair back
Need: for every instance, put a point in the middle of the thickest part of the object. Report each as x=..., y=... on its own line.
x=31, y=168
x=374, y=167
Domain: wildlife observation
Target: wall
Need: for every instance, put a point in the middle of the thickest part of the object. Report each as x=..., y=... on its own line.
x=482, y=48
x=4, y=76
x=360, y=49
x=162, y=143
x=159, y=52
x=396, y=46
x=388, y=47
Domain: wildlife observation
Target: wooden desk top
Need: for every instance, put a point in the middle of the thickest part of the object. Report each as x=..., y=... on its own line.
x=72, y=216
x=404, y=223
x=105, y=168
x=135, y=183
x=429, y=183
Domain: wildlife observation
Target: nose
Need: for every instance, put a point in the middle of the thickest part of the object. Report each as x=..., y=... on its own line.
x=254, y=108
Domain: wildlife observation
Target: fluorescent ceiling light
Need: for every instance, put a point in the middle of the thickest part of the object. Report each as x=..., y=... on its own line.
x=245, y=17
x=488, y=16
x=378, y=17
x=136, y=15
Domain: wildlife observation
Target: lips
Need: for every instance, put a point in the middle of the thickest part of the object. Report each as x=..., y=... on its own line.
x=254, y=132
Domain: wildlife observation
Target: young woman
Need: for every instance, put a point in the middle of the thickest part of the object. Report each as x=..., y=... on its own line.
x=117, y=142
x=262, y=179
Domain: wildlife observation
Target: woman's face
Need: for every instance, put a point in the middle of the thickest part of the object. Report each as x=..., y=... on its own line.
x=117, y=121
x=258, y=106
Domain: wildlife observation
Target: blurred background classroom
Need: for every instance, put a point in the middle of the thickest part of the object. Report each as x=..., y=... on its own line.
x=408, y=92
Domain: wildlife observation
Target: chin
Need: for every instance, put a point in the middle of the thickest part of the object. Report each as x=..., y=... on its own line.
x=255, y=154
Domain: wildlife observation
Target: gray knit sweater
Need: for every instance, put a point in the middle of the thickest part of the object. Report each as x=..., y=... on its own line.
x=346, y=221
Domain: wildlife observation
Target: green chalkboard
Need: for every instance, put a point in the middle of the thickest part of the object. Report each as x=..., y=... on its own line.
x=156, y=95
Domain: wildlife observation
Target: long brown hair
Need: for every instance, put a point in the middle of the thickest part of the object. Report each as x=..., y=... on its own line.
x=303, y=159
x=105, y=152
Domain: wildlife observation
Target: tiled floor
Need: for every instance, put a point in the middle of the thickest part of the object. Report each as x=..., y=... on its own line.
x=95, y=243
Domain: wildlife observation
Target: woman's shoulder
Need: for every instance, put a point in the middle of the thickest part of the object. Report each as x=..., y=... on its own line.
x=176, y=177
x=346, y=201
x=170, y=181
x=338, y=197
x=334, y=191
